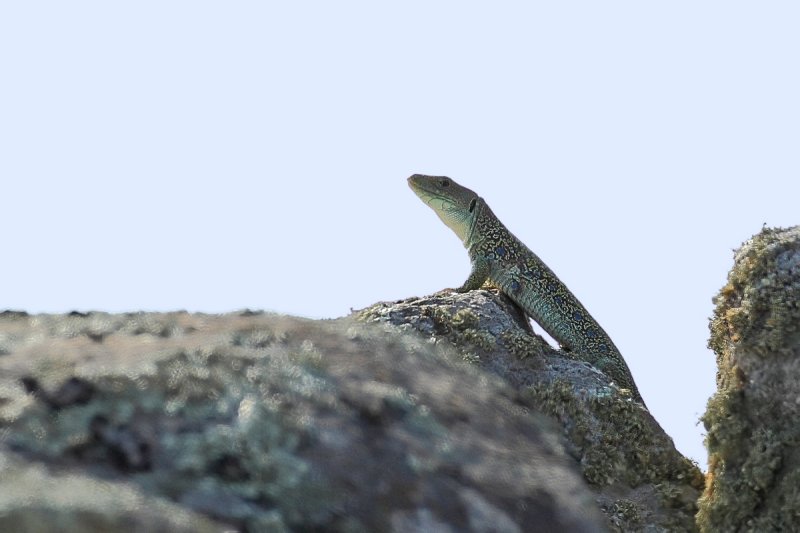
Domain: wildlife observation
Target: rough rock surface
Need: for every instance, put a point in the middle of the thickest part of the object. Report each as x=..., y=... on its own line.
x=641, y=482
x=257, y=422
x=753, y=420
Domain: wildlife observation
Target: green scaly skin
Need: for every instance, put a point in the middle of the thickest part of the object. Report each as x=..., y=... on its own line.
x=500, y=258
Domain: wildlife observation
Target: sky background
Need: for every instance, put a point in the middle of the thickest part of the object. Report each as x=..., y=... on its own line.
x=212, y=156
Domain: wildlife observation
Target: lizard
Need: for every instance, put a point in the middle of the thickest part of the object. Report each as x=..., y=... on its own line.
x=503, y=261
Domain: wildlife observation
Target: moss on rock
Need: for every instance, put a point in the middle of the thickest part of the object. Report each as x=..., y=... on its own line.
x=638, y=476
x=753, y=435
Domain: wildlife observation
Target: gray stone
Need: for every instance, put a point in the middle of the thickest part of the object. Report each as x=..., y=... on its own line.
x=752, y=420
x=259, y=422
x=640, y=481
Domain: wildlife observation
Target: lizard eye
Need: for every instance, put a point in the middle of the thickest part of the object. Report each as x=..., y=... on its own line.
x=445, y=183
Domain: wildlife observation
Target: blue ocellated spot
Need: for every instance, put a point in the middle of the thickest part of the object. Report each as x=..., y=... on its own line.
x=591, y=333
x=577, y=316
x=602, y=348
x=500, y=251
x=514, y=285
x=558, y=300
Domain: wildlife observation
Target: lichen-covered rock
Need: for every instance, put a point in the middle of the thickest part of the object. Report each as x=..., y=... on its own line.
x=256, y=422
x=753, y=420
x=641, y=482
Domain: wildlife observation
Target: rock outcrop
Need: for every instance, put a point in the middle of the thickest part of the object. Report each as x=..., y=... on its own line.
x=444, y=413
x=257, y=422
x=640, y=481
x=753, y=420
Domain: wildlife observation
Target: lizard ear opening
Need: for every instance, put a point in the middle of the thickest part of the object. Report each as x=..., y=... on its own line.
x=472, y=205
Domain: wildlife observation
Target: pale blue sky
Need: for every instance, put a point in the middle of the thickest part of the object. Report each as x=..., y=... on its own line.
x=212, y=156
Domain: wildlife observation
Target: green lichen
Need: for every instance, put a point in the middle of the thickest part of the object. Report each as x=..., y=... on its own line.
x=471, y=358
x=625, y=515
x=521, y=345
x=761, y=301
x=746, y=459
x=726, y=423
x=370, y=314
x=618, y=447
x=257, y=337
x=465, y=319
x=461, y=328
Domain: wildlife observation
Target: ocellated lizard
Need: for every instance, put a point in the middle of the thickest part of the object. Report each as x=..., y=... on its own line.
x=499, y=257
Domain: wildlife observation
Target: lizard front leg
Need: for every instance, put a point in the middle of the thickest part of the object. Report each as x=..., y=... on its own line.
x=479, y=274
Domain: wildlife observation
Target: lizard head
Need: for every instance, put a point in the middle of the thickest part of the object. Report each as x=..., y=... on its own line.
x=455, y=205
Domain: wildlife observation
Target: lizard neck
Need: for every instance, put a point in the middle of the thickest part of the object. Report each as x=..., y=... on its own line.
x=479, y=233
x=474, y=236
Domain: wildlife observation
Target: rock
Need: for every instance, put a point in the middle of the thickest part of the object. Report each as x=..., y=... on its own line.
x=260, y=422
x=752, y=420
x=641, y=482
x=33, y=499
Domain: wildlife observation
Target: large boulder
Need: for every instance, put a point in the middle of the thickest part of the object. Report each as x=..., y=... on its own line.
x=639, y=480
x=258, y=422
x=753, y=420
